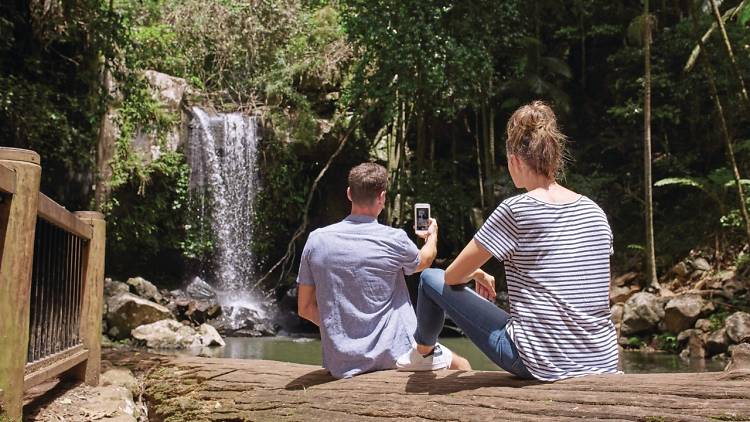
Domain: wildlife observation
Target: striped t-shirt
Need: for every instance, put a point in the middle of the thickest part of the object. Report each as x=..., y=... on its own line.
x=556, y=260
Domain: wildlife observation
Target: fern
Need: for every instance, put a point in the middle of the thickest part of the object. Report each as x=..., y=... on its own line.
x=681, y=181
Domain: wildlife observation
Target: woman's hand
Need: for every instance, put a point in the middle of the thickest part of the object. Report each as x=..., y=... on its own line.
x=484, y=284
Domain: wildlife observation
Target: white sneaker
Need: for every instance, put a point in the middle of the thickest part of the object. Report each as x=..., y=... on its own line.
x=440, y=358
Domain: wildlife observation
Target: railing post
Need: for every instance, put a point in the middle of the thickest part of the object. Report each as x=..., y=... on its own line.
x=93, y=297
x=19, y=220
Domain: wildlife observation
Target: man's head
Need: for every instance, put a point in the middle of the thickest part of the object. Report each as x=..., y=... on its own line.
x=367, y=183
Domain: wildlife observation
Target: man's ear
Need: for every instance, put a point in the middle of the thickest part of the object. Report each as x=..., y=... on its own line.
x=381, y=197
x=349, y=193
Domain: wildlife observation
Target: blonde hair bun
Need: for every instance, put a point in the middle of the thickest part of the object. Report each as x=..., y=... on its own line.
x=533, y=135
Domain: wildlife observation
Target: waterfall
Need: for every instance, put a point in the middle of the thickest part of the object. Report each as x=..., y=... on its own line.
x=222, y=154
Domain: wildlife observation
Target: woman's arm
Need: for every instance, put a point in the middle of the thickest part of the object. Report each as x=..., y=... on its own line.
x=467, y=263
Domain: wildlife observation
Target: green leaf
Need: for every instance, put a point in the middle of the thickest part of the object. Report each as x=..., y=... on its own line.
x=680, y=181
x=731, y=183
x=744, y=15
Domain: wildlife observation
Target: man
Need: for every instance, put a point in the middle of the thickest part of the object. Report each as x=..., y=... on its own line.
x=351, y=284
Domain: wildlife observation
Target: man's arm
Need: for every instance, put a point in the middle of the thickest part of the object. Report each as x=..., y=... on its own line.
x=429, y=251
x=307, y=305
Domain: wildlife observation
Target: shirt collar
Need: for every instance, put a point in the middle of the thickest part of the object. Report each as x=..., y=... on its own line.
x=360, y=218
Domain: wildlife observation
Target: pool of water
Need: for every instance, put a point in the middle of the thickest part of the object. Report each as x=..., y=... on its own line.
x=307, y=351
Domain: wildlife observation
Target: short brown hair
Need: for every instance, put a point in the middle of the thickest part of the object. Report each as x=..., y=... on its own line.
x=366, y=181
x=533, y=134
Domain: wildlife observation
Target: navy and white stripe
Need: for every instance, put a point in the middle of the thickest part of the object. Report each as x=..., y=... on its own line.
x=557, y=268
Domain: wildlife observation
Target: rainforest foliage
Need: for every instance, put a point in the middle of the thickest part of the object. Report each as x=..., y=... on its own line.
x=423, y=86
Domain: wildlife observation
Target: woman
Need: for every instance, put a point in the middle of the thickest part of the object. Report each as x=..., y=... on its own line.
x=555, y=245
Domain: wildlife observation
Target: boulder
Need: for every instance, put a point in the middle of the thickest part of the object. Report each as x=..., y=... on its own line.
x=196, y=311
x=682, y=269
x=727, y=275
x=170, y=334
x=120, y=377
x=642, y=312
x=717, y=342
x=695, y=346
x=114, y=401
x=199, y=311
x=624, y=279
x=740, y=358
x=127, y=311
x=166, y=334
x=703, y=325
x=733, y=287
x=114, y=288
x=701, y=264
x=738, y=326
x=200, y=290
x=209, y=337
x=145, y=289
x=682, y=311
x=617, y=310
x=619, y=294
x=242, y=322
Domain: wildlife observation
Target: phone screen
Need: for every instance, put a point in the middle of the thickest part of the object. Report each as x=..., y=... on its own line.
x=423, y=218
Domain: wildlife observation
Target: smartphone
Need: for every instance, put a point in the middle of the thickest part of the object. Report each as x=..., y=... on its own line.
x=421, y=218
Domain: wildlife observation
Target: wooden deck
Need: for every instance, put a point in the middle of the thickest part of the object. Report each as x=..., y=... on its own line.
x=237, y=390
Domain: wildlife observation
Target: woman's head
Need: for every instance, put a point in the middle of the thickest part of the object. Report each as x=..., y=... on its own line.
x=534, y=137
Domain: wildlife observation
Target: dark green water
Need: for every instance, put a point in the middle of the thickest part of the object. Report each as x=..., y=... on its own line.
x=302, y=350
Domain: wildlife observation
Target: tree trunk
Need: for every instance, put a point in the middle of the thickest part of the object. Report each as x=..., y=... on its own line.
x=730, y=53
x=454, y=156
x=105, y=147
x=402, y=166
x=491, y=141
x=431, y=129
x=583, y=43
x=421, y=153
x=647, y=182
x=487, y=156
x=392, y=167
x=480, y=179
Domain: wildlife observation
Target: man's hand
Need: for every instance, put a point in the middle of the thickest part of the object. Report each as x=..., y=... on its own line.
x=432, y=229
x=484, y=285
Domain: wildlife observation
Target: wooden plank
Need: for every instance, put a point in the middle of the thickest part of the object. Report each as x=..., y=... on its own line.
x=93, y=295
x=55, y=369
x=7, y=180
x=62, y=218
x=18, y=222
x=49, y=360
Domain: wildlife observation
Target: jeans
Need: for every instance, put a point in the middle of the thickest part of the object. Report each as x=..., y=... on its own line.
x=481, y=321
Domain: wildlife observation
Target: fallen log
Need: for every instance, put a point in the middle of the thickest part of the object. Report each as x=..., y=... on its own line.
x=200, y=389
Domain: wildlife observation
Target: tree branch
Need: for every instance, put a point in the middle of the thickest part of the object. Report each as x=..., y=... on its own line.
x=284, y=260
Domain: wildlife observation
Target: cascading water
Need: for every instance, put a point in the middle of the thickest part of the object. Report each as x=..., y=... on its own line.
x=222, y=155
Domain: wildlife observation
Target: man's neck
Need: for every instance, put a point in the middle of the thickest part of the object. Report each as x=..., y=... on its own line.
x=365, y=211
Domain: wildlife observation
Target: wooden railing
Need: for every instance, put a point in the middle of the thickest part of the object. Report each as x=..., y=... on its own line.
x=51, y=285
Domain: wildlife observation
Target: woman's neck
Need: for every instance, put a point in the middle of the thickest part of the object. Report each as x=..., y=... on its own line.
x=550, y=191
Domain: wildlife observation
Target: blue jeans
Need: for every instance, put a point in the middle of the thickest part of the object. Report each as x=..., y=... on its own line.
x=481, y=321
